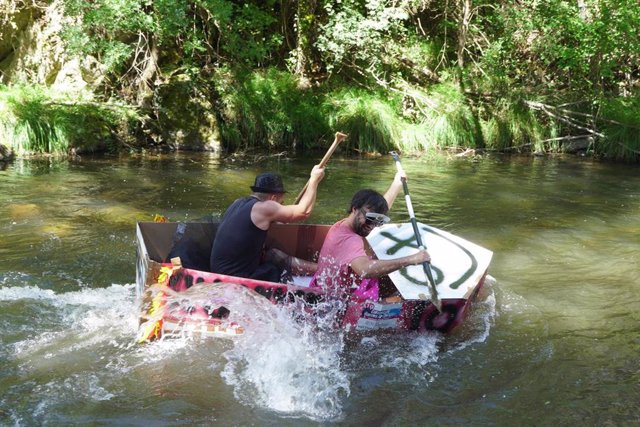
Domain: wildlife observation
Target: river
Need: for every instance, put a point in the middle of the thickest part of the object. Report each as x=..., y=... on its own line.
x=554, y=341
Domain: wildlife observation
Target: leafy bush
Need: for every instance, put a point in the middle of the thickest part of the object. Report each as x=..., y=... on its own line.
x=121, y=32
x=357, y=31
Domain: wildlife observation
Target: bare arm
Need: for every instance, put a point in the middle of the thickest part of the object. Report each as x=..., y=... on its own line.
x=394, y=188
x=365, y=267
x=264, y=213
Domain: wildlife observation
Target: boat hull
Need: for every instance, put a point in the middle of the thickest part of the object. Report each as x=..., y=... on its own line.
x=157, y=279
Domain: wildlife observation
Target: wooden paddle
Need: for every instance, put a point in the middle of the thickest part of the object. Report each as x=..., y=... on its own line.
x=339, y=138
x=425, y=265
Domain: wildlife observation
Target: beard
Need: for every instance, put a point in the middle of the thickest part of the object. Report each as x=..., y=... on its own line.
x=362, y=229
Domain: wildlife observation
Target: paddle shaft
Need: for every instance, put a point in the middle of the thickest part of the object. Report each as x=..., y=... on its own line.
x=339, y=138
x=414, y=222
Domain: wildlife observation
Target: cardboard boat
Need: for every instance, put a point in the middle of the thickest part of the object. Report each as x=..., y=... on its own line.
x=460, y=269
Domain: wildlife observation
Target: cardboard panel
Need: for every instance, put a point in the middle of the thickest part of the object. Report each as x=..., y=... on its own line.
x=157, y=238
x=457, y=264
x=301, y=240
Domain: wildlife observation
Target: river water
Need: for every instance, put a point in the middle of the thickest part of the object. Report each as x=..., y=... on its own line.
x=555, y=339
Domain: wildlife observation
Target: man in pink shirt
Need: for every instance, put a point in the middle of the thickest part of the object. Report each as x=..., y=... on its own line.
x=346, y=263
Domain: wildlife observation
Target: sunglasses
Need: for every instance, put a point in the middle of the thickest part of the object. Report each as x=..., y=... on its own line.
x=377, y=219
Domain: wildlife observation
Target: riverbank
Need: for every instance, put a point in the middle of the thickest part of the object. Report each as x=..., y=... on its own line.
x=228, y=77
x=267, y=112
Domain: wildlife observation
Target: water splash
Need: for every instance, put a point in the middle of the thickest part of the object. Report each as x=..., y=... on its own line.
x=291, y=361
x=480, y=319
x=70, y=321
x=287, y=361
x=58, y=344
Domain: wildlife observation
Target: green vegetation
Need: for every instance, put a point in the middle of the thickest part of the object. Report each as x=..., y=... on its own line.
x=620, y=126
x=266, y=110
x=33, y=119
x=531, y=75
x=368, y=119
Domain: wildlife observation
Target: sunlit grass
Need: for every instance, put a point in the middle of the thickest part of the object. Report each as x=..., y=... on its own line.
x=371, y=122
x=266, y=109
x=34, y=119
x=450, y=121
x=510, y=123
x=375, y=120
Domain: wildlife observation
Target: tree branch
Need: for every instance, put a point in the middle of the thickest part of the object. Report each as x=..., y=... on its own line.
x=568, y=120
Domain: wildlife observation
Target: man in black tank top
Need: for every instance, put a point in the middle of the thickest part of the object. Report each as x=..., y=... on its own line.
x=238, y=245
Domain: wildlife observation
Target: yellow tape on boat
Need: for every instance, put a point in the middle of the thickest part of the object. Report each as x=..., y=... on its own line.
x=152, y=329
x=159, y=218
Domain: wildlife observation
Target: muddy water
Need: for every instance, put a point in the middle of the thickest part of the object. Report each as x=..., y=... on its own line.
x=555, y=340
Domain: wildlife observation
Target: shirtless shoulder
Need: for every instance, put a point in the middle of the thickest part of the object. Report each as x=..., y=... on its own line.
x=264, y=213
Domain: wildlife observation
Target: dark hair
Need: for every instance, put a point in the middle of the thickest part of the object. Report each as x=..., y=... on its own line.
x=370, y=199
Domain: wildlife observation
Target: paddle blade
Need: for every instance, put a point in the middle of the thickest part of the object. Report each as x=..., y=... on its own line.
x=457, y=265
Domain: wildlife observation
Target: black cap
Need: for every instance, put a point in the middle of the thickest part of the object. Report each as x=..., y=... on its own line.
x=268, y=182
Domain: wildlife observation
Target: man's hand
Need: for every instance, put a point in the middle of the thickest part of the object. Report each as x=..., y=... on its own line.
x=421, y=256
x=400, y=175
x=317, y=173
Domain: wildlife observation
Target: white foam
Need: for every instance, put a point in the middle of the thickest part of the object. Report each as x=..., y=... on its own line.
x=25, y=292
x=303, y=281
x=288, y=366
x=82, y=319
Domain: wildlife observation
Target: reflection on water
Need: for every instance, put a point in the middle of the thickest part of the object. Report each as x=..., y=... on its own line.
x=553, y=341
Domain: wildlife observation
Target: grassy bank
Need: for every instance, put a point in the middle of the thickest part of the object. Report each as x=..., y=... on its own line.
x=267, y=111
x=34, y=119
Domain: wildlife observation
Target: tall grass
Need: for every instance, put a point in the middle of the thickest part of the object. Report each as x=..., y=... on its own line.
x=28, y=126
x=510, y=123
x=450, y=121
x=371, y=121
x=36, y=120
x=376, y=122
x=267, y=110
x=619, y=121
